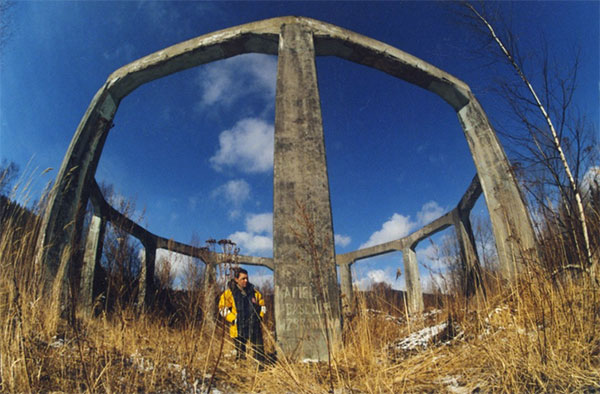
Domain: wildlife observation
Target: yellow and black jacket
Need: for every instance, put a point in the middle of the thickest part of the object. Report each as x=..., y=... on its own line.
x=229, y=310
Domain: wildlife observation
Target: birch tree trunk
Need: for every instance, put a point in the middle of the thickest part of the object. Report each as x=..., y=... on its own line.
x=556, y=141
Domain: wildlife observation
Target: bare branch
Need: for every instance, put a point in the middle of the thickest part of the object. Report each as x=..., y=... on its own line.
x=509, y=49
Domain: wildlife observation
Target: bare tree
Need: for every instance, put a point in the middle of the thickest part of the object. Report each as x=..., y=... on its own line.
x=121, y=255
x=555, y=140
x=164, y=276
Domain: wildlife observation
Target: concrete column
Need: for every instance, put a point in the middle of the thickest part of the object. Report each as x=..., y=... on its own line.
x=515, y=238
x=307, y=300
x=413, y=281
x=346, y=287
x=468, y=253
x=91, y=263
x=146, y=279
x=60, y=232
x=209, y=301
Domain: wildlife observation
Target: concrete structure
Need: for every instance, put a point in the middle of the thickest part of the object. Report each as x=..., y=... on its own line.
x=466, y=241
x=307, y=302
x=347, y=295
x=104, y=213
x=91, y=262
x=209, y=304
x=458, y=217
x=296, y=40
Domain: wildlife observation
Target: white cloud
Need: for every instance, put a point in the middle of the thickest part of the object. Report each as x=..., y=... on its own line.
x=252, y=243
x=399, y=226
x=428, y=253
x=378, y=276
x=179, y=262
x=258, y=237
x=234, y=214
x=429, y=212
x=229, y=80
x=373, y=276
x=235, y=192
x=216, y=84
x=591, y=179
x=260, y=223
x=432, y=282
x=248, y=146
x=396, y=227
x=260, y=279
x=430, y=258
x=342, y=240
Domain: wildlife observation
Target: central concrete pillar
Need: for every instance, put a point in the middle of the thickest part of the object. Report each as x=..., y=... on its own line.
x=413, y=281
x=307, y=301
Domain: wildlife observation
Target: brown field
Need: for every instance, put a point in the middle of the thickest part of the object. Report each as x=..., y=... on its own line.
x=539, y=333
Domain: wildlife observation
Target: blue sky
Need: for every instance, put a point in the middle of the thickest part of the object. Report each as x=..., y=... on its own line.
x=194, y=150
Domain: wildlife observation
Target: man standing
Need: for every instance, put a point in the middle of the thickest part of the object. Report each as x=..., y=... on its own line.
x=243, y=306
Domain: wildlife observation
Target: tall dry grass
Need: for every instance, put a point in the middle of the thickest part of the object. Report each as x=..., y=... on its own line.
x=539, y=333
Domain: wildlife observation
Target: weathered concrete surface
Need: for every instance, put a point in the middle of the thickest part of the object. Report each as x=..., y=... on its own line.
x=306, y=289
x=63, y=218
x=146, y=288
x=458, y=217
x=61, y=228
x=439, y=224
x=348, y=304
x=511, y=224
x=209, y=303
x=414, y=293
x=91, y=263
x=473, y=281
x=471, y=270
x=93, y=248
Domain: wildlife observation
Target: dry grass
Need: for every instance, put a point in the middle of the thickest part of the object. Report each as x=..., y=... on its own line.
x=540, y=334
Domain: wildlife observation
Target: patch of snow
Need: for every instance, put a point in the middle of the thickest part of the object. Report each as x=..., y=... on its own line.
x=202, y=389
x=420, y=338
x=432, y=312
x=386, y=316
x=453, y=385
x=57, y=342
x=140, y=362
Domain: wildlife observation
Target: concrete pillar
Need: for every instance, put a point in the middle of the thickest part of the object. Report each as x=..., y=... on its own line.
x=348, y=305
x=306, y=288
x=468, y=253
x=146, y=279
x=513, y=231
x=60, y=232
x=413, y=281
x=91, y=263
x=209, y=300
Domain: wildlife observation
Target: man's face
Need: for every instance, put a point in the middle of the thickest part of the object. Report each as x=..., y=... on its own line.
x=242, y=280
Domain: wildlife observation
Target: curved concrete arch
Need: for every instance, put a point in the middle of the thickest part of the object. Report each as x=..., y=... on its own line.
x=62, y=223
x=281, y=36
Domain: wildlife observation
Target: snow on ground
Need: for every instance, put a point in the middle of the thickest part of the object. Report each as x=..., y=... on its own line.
x=420, y=339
